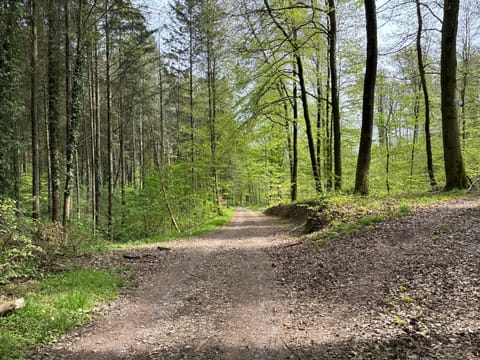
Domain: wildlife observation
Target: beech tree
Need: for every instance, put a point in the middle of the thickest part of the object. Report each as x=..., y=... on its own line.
x=364, y=152
x=456, y=177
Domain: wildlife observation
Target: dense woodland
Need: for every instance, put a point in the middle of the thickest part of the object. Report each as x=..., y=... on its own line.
x=123, y=120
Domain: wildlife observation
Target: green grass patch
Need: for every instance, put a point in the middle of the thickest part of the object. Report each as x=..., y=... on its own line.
x=211, y=225
x=54, y=306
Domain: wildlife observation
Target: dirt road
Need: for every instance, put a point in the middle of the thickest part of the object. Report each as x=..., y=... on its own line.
x=210, y=297
x=406, y=288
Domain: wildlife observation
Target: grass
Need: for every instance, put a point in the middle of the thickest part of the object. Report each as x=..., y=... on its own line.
x=61, y=302
x=54, y=306
x=211, y=225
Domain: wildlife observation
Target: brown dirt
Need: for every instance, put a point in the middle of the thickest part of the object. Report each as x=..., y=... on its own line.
x=408, y=289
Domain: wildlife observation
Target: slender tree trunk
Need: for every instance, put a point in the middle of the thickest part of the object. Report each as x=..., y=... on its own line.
x=416, y=110
x=364, y=154
x=465, y=74
x=332, y=40
x=306, y=115
x=73, y=124
x=319, y=116
x=190, y=92
x=34, y=112
x=294, y=184
x=426, y=97
x=109, y=125
x=212, y=103
x=92, y=133
x=456, y=177
x=162, y=120
x=54, y=104
x=98, y=133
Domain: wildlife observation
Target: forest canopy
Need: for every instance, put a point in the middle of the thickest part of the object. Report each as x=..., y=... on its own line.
x=123, y=119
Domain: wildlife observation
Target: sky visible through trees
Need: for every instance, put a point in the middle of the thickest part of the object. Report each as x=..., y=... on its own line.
x=183, y=106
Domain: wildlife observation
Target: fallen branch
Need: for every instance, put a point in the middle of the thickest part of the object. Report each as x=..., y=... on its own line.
x=10, y=306
x=296, y=228
x=293, y=244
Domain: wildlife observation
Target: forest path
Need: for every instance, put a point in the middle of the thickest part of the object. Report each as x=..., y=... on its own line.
x=404, y=288
x=214, y=296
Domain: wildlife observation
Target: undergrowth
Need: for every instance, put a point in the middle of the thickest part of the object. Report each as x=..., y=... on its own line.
x=341, y=215
x=210, y=225
x=53, y=306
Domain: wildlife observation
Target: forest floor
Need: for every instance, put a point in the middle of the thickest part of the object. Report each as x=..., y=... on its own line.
x=407, y=288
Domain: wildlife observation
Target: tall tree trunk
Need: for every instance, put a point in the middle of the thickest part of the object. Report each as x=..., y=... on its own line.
x=306, y=115
x=54, y=104
x=34, y=112
x=162, y=120
x=73, y=124
x=98, y=133
x=332, y=40
x=416, y=110
x=364, y=153
x=190, y=93
x=319, y=116
x=294, y=184
x=426, y=98
x=456, y=177
x=109, y=125
x=212, y=116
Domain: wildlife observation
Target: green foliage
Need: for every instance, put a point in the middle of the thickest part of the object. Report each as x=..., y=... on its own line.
x=210, y=225
x=54, y=306
x=344, y=214
x=17, y=251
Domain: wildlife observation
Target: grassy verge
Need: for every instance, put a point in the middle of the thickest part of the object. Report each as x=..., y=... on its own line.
x=59, y=303
x=53, y=306
x=211, y=225
x=344, y=214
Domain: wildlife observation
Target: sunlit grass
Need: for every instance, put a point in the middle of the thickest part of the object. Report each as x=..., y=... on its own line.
x=54, y=306
x=211, y=225
x=346, y=213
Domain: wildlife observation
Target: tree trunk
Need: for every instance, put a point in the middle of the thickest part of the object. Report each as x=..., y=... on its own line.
x=73, y=124
x=306, y=115
x=364, y=154
x=456, y=177
x=109, y=125
x=319, y=116
x=54, y=104
x=426, y=98
x=34, y=112
x=294, y=184
x=416, y=110
x=337, y=148
x=98, y=133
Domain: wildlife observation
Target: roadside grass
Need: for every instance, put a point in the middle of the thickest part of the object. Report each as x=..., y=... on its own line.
x=58, y=303
x=211, y=225
x=344, y=214
x=54, y=306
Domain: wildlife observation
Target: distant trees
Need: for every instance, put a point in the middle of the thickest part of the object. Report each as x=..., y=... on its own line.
x=250, y=102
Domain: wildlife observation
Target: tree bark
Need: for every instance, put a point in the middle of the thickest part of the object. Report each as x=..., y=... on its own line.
x=73, y=124
x=54, y=104
x=456, y=177
x=306, y=115
x=34, y=111
x=426, y=97
x=337, y=147
x=364, y=154
x=109, y=125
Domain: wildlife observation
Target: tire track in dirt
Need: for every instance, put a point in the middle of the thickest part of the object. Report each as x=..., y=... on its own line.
x=210, y=297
